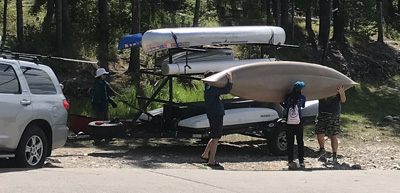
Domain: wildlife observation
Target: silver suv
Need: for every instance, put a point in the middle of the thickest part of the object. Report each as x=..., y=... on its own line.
x=33, y=112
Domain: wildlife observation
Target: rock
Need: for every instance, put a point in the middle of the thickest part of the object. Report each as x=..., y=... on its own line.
x=396, y=167
x=356, y=167
x=388, y=118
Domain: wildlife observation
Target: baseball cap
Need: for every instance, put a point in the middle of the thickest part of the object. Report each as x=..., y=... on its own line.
x=100, y=72
x=299, y=85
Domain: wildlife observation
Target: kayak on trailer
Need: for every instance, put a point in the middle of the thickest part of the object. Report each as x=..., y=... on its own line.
x=166, y=38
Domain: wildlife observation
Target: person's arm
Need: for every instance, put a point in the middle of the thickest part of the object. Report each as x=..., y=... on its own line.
x=303, y=104
x=286, y=102
x=226, y=89
x=340, y=90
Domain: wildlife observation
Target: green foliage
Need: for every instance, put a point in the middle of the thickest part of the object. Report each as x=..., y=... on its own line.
x=180, y=94
x=369, y=102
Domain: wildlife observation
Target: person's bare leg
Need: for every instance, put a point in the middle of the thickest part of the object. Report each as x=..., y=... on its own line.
x=207, y=150
x=334, y=143
x=321, y=140
x=213, y=151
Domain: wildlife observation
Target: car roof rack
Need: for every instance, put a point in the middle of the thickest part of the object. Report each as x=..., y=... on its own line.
x=7, y=54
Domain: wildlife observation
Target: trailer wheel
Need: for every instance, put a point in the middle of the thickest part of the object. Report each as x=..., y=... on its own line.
x=277, y=143
x=106, y=130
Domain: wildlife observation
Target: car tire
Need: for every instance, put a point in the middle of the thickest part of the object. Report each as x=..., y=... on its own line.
x=277, y=143
x=32, y=148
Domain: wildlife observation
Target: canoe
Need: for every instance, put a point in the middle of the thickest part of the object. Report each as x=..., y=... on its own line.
x=130, y=41
x=270, y=81
x=166, y=38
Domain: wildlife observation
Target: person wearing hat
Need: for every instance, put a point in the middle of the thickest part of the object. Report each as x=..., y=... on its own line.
x=327, y=122
x=101, y=95
x=294, y=101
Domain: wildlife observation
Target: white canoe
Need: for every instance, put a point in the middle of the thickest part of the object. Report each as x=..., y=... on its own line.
x=203, y=66
x=161, y=39
x=270, y=81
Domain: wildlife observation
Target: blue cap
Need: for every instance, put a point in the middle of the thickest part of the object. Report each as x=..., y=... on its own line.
x=299, y=85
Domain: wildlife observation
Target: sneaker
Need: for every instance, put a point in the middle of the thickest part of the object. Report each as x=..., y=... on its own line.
x=302, y=165
x=321, y=152
x=293, y=166
x=334, y=159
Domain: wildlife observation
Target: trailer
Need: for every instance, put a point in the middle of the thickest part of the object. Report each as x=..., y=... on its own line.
x=188, y=119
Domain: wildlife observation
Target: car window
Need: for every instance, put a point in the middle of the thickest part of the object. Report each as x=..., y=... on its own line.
x=39, y=81
x=9, y=82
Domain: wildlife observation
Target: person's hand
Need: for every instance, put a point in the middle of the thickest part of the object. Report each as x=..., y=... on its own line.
x=340, y=89
x=113, y=104
x=229, y=76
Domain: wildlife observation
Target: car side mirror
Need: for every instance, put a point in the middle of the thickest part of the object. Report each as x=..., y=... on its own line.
x=62, y=86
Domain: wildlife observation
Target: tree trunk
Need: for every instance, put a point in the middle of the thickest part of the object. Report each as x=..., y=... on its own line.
x=20, y=23
x=292, y=26
x=59, y=26
x=277, y=12
x=285, y=15
x=196, y=14
x=235, y=13
x=221, y=12
x=324, y=28
x=47, y=23
x=391, y=10
x=103, y=34
x=4, y=23
x=338, y=21
x=48, y=19
x=266, y=9
x=66, y=24
x=380, y=17
x=310, y=31
x=398, y=6
x=134, y=62
x=270, y=20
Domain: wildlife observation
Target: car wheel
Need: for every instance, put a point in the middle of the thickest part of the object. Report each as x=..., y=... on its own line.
x=32, y=149
x=277, y=143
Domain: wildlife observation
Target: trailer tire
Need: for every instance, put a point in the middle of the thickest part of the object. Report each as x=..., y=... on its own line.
x=107, y=130
x=277, y=143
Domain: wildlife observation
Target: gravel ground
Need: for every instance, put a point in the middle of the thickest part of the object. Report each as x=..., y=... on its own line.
x=235, y=152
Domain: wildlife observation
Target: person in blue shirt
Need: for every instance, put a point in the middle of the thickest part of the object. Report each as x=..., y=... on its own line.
x=215, y=114
x=294, y=101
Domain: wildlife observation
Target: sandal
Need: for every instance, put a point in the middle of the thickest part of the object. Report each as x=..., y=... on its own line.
x=204, y=159
x=215, y=164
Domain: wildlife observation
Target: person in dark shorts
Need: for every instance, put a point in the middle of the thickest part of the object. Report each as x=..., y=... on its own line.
x=327, y=122
x=294, y=101
x=215, y=114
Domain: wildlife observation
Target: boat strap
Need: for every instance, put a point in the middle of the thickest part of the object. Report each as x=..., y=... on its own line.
x=271, y=40
x=175, y=38
x=177, y=45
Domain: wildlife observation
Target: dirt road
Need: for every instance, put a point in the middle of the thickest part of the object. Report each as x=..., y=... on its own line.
x=236, y=152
